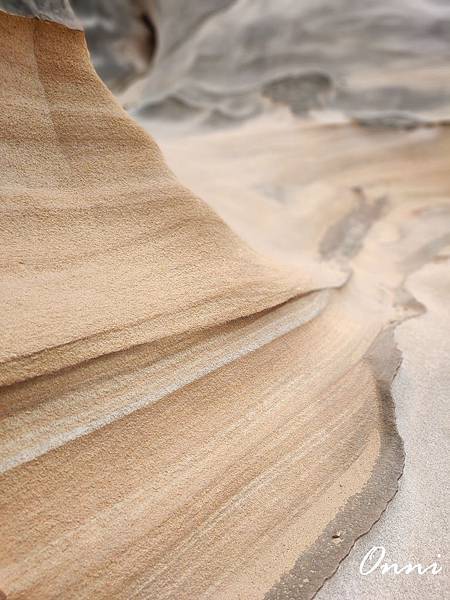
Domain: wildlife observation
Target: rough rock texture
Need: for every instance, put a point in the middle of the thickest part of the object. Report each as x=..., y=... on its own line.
x=195, y=398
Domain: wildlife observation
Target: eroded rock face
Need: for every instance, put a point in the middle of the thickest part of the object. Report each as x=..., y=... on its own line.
x=230, y=59
x=59, y=11
x=121, y=38
x=197, y=396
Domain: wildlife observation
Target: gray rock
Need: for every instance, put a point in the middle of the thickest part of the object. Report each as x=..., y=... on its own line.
x=224, y=60
x=121, y=38
x=47, y=10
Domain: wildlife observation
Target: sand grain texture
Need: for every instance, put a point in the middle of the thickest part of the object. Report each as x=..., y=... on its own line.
x=195, y=397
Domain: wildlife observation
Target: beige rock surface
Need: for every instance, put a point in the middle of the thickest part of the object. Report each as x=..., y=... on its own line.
x=195, y=396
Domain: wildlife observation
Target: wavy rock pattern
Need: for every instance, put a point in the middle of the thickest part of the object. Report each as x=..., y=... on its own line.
x=214, y=62
x=195, y=398
x=224, y=60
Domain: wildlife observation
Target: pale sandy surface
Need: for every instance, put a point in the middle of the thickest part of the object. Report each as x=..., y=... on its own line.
x=415, y=527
